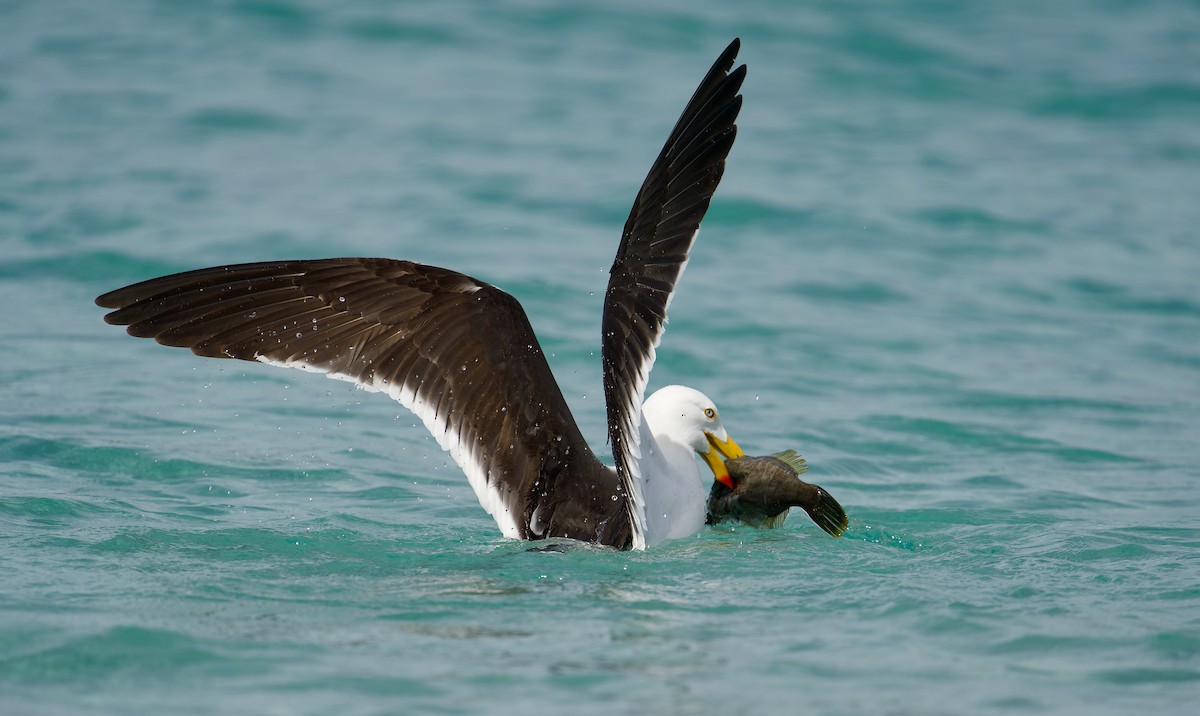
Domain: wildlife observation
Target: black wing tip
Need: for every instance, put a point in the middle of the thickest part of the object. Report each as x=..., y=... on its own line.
x=828, y=514
x=723, y=74
x=727, y=57
x=110, y=299
x=736, y=75
x=118, y=315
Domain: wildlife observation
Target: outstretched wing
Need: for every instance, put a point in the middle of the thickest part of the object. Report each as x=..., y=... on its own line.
x=458, y=352
x=654, y=249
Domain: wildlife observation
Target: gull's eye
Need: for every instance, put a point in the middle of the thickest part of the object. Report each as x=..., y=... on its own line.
x=710, y=413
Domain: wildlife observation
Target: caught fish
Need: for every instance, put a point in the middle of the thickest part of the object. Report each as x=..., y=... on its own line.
x=765, y=487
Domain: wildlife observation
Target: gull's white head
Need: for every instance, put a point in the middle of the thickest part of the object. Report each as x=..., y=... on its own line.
x=686, y=416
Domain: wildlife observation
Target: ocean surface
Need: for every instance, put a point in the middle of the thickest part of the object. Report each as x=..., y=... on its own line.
x=953, y=262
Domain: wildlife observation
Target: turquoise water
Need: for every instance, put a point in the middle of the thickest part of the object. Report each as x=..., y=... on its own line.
x=953, y=262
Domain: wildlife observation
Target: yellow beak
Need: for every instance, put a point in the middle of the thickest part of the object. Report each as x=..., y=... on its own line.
x=718, y=451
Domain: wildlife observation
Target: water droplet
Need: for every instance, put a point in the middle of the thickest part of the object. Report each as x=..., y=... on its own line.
x=614, y=498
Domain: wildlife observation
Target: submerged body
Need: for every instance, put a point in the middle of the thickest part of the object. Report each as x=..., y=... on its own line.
x=765, y=488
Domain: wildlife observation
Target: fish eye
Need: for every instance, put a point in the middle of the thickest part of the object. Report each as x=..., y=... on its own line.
x=710, y=413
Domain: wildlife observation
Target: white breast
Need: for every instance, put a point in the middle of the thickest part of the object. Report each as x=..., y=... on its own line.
x=676, y=500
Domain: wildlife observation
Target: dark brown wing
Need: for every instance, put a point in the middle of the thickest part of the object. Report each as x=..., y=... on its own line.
x=456, y=351
x=654, y=249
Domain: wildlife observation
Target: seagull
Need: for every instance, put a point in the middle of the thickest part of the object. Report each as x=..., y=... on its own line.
x=461, y=354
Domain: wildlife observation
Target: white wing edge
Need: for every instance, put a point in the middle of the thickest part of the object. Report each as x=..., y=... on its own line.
x=633, y=430
x=464, y=452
